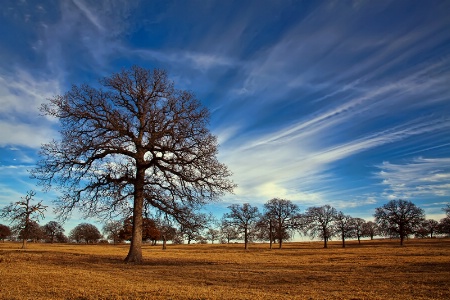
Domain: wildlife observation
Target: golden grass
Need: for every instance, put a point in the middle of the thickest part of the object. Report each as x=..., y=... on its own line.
x=372, y=270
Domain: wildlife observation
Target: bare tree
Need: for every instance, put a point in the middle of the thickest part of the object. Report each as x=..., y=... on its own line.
x=193, y=226
x=227, y=231
x=5, y=232
x=52, y=229
x=212, y=234
x=138, y=141
x=358, y=228
x=430, y=227
x=399, y=217
x=319, y=222
x=281, y=214
x=243, y=218
x=444, y=226
x=22, y=213
x=344, y=226
x=447, y=210
x=370, y=229
x=112, y=231
x=85, y=232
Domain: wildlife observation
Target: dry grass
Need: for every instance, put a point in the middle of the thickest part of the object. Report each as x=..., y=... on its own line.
x=372, y=270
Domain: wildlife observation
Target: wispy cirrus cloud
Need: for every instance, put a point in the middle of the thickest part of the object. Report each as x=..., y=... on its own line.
x=424, y=177
x=21, y=95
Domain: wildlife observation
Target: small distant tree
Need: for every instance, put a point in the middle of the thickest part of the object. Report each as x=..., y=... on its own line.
x=447, y=210
x=212, y=234
x=5, y=232
x=227, y=231
x=243, y=218
x=112, y=231
x=61, y=238
x=35, y=232
x=399, y=217
x=370, y=229
x=166, y=232
x=319, y=222
x=344, y=226
x=281, y=213
x=358, y=228
x=85, y=232
x=22, y=212
x=52, y=229
x=430, y=227
x=193, y=226
x=150, y=231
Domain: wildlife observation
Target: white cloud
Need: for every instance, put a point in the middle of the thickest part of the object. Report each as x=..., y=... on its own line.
x=426, y=177
x=21, y=122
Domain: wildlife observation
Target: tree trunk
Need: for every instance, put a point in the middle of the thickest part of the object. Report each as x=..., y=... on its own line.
x=24, y=243
x=164, y=242
x=325, y=239
x=135, y=252
x=343, y=241
x=270, y=233
x=246, y=239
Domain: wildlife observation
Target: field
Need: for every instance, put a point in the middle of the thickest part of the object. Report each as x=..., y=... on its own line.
x=372, y=270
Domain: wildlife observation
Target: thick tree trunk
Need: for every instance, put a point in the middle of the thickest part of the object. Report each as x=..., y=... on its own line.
x=325, y=239
x=246, y=239
x=135, y=252
x=343, y=241
x=270, y=233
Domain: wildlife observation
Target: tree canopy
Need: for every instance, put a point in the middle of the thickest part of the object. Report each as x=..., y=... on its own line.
x=399, y=217
x=135, y=142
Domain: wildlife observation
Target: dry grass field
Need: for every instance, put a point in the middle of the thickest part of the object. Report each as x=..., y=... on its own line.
x=372, y=270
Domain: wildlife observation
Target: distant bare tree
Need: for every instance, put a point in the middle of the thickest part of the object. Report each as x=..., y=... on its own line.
x=358, y=228
x=85, y=232
x=138, y=140
x=281, y=214
x=52, y=229
x=447, y=210
x=5, y=232
x=22, y=213
x=399, y=217
x=112, y=231
x=227, y=231
x=212, y=234
x=444, y=226
x=193, y=226
x=344, y=226
x=430, y=226
x=319, y=222
x=243, y=218
x=370, y=229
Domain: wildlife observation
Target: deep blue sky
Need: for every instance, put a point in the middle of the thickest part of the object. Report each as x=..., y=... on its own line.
x=344, y=103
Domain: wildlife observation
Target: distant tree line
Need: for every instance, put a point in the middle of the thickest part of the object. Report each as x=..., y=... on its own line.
x=279, y=220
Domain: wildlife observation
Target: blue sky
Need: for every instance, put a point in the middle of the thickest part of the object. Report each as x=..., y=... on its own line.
x=344, y=103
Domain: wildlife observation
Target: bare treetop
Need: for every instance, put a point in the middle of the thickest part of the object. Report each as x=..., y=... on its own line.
x=138, y=142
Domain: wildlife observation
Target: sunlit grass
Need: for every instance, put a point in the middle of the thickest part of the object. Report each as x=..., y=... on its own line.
x=372, y=270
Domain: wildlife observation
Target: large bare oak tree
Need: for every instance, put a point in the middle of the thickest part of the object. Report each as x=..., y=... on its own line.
x=135, y=142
